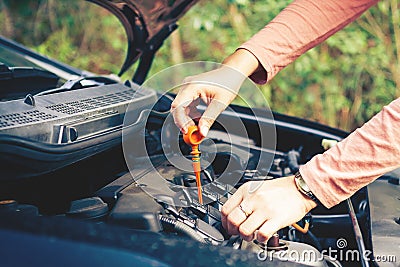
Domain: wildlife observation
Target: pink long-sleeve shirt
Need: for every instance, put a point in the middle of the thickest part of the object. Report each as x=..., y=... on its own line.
x=368, y=152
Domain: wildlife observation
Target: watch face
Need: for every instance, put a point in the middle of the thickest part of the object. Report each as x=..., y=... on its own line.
x=304, y=189
x=302, y=184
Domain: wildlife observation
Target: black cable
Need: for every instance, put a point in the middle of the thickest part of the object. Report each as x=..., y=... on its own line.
x=178, y=226
x=314, y=240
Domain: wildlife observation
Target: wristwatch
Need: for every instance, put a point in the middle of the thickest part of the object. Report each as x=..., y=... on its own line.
x=303, y=187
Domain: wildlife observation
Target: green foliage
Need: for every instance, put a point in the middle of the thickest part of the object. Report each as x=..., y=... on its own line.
x=76, y=32
x=342, y=82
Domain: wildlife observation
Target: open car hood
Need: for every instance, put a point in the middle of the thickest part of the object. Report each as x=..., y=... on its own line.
x=147, y=23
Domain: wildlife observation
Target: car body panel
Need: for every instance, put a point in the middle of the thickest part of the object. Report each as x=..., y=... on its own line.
x=146, y=23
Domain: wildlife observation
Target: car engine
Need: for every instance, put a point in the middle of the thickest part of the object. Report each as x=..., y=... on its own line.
x=64, y=160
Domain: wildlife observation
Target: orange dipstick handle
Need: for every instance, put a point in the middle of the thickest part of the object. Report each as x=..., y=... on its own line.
x=194, y=138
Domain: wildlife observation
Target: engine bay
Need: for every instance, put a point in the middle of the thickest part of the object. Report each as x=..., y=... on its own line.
x=102, y=190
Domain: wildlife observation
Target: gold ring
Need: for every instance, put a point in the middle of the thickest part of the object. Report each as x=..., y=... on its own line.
x=245, y=212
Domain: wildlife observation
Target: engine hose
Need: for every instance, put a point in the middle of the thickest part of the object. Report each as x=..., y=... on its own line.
x=314, y=240
x=182, y=228
x=332, y=262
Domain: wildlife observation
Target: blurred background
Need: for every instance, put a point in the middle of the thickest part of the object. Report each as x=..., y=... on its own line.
x=342, y=83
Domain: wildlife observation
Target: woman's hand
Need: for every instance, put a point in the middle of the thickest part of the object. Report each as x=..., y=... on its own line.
x=260, y=208
x=217, y=89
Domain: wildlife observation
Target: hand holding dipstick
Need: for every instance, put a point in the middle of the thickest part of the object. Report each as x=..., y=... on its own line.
x=194, y=138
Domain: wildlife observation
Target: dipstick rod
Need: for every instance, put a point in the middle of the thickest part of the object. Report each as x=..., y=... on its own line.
x=194, y=138
x=197, y=169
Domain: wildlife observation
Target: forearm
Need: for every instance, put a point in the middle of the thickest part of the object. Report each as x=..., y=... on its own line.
x=298, y=28
x=366, y=154
x=243, y=61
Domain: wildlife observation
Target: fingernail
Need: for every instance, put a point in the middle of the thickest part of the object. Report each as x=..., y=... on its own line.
x=184, y=130
x=204, y=130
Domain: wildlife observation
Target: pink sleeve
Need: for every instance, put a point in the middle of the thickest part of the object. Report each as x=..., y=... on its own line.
x=366, y=154
x=299, y=27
